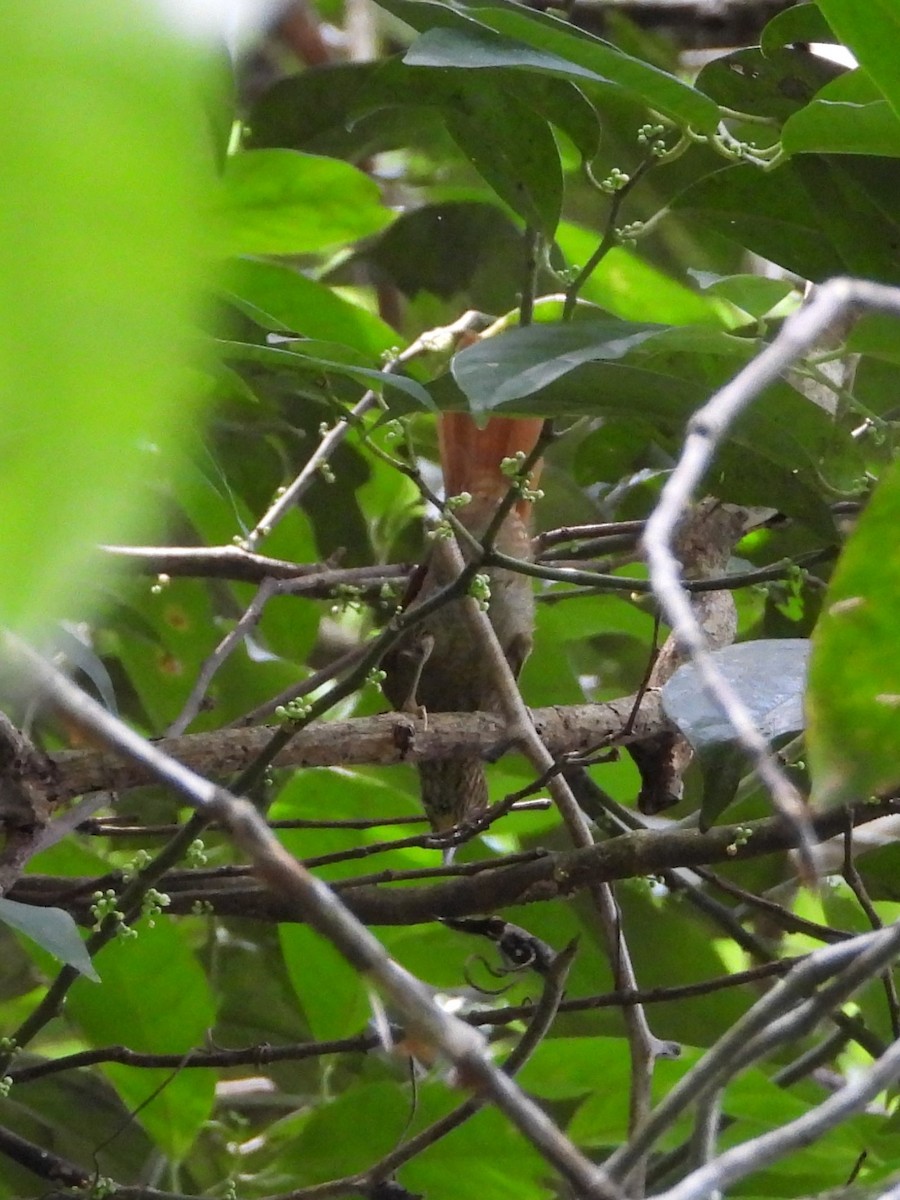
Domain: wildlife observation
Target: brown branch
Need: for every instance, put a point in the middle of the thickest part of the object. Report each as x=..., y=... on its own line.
x=382, y=740
x=540, y=878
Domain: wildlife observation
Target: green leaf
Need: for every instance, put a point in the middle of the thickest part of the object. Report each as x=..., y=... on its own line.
x=514, y=151
x=628, y=286
x=445, y=249
x=477, y=48
x=497, y=371
x=853, y=703
x=53, y=929
x=100, y=271
x=772, y=86
x=659, y=90
x=754, y=295
x=872, y=32
x=153, y=997
x=802, y=23
x=322, y=110
x=814, y=215
x=848, y=116
x=285, y=202
x=550, y=36
x=300, y=355
x=307, y=307
x=778, y=448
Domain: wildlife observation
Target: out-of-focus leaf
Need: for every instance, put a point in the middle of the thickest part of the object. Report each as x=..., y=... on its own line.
x=755, y=295
x=100, y=271
x=320, y=110
x=153, y=997
x=285, y=202
x=769, y=676
x=853, y=704
x=53, y=929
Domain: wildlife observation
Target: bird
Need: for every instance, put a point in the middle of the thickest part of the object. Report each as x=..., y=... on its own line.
x=436, y=667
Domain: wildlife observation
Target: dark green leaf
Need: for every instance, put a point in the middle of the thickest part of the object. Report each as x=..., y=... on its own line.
x=659, y=90
x=476, y=48
x=497, y=371
x=323, y=110
x=514, y=150
x=814, y=215
x=781, y=442
x=447, y=249
x=772, y=86
x=802, y=23
x=853, y=707
x=300, y=355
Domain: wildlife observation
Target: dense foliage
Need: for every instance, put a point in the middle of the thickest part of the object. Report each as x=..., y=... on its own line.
x=216, y=284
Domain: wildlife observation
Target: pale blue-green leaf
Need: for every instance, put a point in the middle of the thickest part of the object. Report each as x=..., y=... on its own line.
x=768, y=675
x=53, y=929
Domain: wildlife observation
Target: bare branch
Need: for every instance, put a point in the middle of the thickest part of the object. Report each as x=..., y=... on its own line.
x=831, y=304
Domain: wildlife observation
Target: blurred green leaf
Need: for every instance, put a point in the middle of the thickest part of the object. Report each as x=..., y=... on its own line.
x=99, y=280
x=853, y=703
